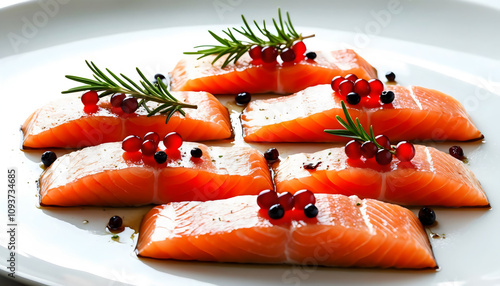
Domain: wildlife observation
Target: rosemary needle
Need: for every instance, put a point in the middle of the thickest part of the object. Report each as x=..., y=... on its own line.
x=145, y=90
x=234, y=48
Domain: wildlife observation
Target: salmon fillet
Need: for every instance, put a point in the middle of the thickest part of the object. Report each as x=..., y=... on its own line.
x=105, y=175
x=200, y=75
x=432, y=178
x=416, y=113
x=347, y=232
x=65, y=124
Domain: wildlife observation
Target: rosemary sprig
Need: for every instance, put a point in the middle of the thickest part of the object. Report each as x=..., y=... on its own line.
x=145, y=91
x=354, y=130
x=234, y=48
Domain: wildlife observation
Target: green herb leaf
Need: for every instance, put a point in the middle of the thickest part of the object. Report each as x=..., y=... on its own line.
x=235, y=48
x=148, y=92
x=354, y=130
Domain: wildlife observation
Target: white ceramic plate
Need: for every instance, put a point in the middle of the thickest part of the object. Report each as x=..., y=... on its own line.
x=446, y=46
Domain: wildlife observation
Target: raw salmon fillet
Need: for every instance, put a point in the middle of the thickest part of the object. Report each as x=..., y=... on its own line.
x=65, y=124
x=105, y=175
x=201, y=75
x=432, y=178
x=416, y=113
x=348, y=232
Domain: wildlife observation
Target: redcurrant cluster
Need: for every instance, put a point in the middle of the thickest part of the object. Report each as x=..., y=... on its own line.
x=404, y=151
x=149, y=145
x=276, y=205
x=354, y=89
x=269, y=54
x=127, y=104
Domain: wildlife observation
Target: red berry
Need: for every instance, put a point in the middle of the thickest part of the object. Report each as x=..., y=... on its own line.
x=346, y=87
x=153, y=136
x=299, y=48
x=368, y=149
x=353, y=149
x=405, y=151
x=383, y=157
x=376, y=87
x=148, y=148
x=269, y=54
x=267, y=198
x=303, y=198
x=90, y=98
x=362, y=87
x=131, y=143
x=90, y=108
x=351, y=77
x=383, y=141
x=336, y=82
x=255, y=52
x=172, y=140
x=129, y=105
x=116, y=99
x=286, y=200
x=287, y=55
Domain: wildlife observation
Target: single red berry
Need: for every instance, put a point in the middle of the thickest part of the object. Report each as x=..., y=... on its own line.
x=353, y=149
x=129, y=105
x=116, y=99
x=346, y=87
x=90, y=109
x=351, y=77
x=368, y=149
x=131, y=143
x=286, y=200
x=376, y=87
x=255, y=52
x=172, y=140
x=405, y=151
x=299, y=48
x=457, y=152
x=269, y=54
x=90, y=98
x=383, y=157
x=336, y=82
x=303, y=198
x=362, y=87
x=287, y=55
x=383, y=141
x=148, y=148
x=153, y=136
x=267, y=198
